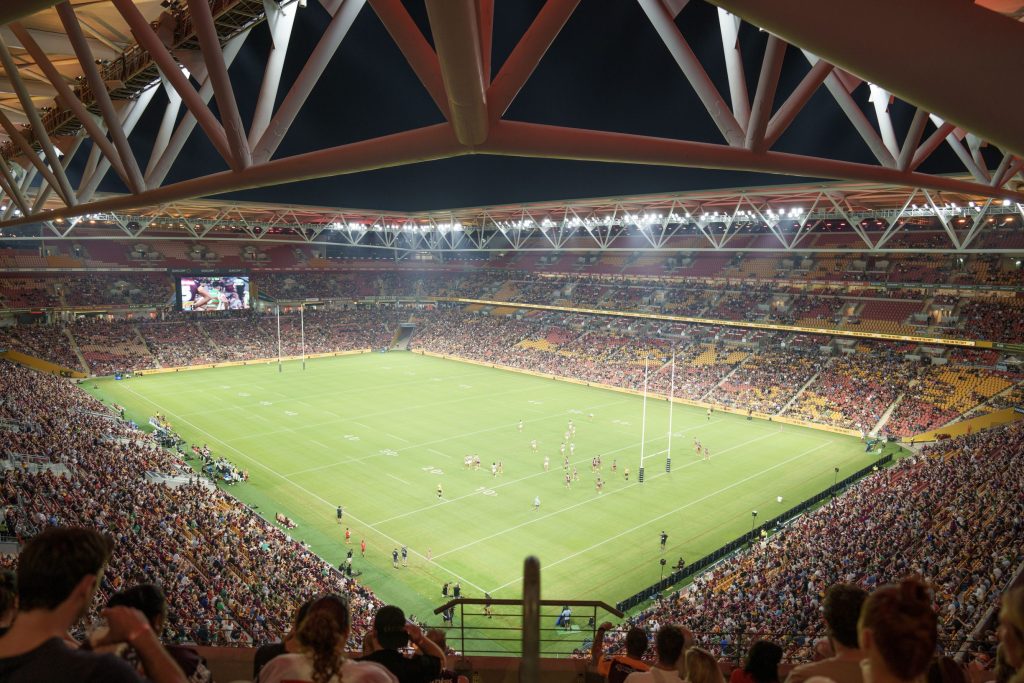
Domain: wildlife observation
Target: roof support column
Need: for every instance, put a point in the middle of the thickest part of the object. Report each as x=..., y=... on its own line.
x=306, y=80
x=663, y=22
x=148, y=39
x=213, y=56
x=157, y=172
x=130, y=167
x=67, y=97
x=128, y=118
x=456, y=30
x=280, y=19
x=767, y=82
x=527, y=54
x=57, y=177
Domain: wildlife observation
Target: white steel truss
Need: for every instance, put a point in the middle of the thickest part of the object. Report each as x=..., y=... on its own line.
x=188, y=52
x=783, y=219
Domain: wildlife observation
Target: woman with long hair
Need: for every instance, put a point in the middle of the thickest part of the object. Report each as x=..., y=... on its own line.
x=898, y=631
x=322, y=637
x=1011, y=631
x=702, y=667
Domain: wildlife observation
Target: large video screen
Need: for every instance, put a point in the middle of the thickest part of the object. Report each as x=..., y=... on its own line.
x=213, y=292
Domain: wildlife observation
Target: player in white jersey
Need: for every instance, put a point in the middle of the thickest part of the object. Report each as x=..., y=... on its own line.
x=520, y=426
x=533, y=445
x=561, y=448
x=494, y=469
x=572, y=449
x=547, y=463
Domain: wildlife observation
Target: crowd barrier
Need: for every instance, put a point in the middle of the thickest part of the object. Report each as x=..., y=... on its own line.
x=41, y=365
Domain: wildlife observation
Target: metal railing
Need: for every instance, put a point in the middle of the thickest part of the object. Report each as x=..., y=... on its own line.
x=524, y=628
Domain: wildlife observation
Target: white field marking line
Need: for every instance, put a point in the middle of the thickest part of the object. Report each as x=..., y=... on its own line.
x=443, y=455
x=581, y=503
x=305, y=396
x=531, y=476
x=309, y=493
x=395, y=436
x=322, y=445
x=403, y=481
x=667, y=514
x=403, y=409
x=431, y=443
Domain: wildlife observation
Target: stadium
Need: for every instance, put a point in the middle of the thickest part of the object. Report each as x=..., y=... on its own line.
x=558, y=325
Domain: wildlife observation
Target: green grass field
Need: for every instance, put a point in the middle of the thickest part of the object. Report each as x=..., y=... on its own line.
x=378, y=432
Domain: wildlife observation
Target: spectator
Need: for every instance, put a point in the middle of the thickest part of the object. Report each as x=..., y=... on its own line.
x=437, y=636
x=762, y=664
x=1011, y=631
x=842, y=607
x=945, y=670
x=287, y=644
x=616, y=668
x=58, y=573
x=391, y=631
x=898, y=631
x=8, y=599
x=1003, y=671
x=702, y=667
x=149, y=599
x=322, y=637
x=671, y=644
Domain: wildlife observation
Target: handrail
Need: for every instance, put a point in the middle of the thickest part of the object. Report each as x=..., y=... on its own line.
x=542, y=603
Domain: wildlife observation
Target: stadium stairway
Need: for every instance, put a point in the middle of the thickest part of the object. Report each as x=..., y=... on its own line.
x=74, y=347
x=144, y=346
x=806, y=384
x=704, y=396
x=886, y=415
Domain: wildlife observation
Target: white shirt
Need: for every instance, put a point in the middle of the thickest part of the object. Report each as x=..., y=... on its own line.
x=298, y=668
x=655, y=675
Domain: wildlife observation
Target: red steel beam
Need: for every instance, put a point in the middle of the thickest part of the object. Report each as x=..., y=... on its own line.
x=935, y=77
x=512, y=138
x=408, y=147
x=454, y=25
x=485, y=21
x=414, y=46
x=527, y=54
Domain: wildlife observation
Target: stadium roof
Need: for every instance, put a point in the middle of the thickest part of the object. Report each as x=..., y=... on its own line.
x=519, y=101
x=789, y=214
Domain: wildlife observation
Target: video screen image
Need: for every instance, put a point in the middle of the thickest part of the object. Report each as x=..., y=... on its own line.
x=214, y=292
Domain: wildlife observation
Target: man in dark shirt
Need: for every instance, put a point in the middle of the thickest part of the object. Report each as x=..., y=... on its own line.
x=58, y=572
x=391, y=631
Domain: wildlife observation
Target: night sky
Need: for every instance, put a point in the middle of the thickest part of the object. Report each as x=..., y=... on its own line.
x=607, y=70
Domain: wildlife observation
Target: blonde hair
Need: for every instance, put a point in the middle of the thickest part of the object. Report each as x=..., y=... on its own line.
x=702, y=667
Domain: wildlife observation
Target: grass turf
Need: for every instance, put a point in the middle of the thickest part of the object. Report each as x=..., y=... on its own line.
x=377, y=433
